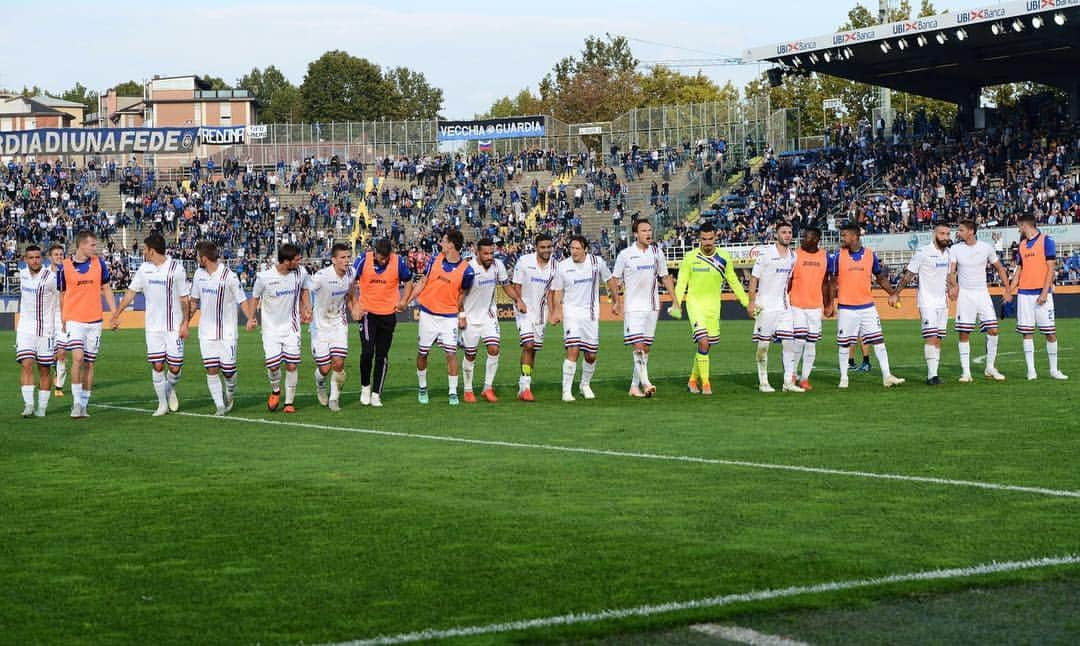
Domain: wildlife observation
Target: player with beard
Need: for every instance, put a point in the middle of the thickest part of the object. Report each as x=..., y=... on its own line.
x=930, y=265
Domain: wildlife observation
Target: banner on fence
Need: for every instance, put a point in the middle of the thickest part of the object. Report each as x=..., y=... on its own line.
x=108, y=141
x=491, y=129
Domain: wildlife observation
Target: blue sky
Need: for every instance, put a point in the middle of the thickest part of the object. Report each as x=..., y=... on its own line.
x=475, y=51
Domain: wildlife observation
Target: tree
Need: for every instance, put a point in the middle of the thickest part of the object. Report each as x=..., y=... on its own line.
x=608, y=79
x=414, y=97
x=524, y=104
x=216, y=83
x=129, y=88
x=665, y=86
x=927, y=9
x=341, y=87
x=276, y=99
x=79, y=94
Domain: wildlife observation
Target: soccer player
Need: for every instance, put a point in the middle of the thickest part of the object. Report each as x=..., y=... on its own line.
x=216, y=291
x=441, y=296
x=968, y=260
x=533, y=274
x=482, y=317
x=379, y=277
x=282, y=293
x=637, y=268
x=331, y=295
x=575, y=301
x=35, y=337
x=702, y=275
x=163, y=282
x=851, y=269
x=56, y=258
x=774, y=320
x=84, y=281
x=1034, y=285
x=930, y=265
x=810, y=297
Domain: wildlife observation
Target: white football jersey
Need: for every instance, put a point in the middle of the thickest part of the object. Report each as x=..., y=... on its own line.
x=162, y=287
x=328, y=292
x=480, y=299
x=580, y=285
x=280, y=298
x=535, y=281
x=218, y=295
x=931, y=264
x=773, y=272
x=971, y=262
x=640, y=272
x=39, y=302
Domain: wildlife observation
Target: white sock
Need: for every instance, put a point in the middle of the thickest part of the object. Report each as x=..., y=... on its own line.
x=635, y=378
x=641, y=363
x=291, y=379
x=28, y=395
x=933, y=358
x=160, y=387
x=451, y=381
x=1029, y=355
x=800, y=348
x=84, y=398
x=569, y=369
x=172, y=379
x=1052, y=355
x=76, y=392
x=883, y=359
x=843, y=354
x=490, y=368
x=421, y=378
x=467, y=369
x=524, y=382
x=965, y=358
x=275, y=379
x=230, y=384
x=214, y=384
x=43, y=399
x=762, y=356
x=991, y=351
x=61, y=374
x=587, y=372
x=789, y=359
x=320, y=378
x=808, y=356
x=337, y=380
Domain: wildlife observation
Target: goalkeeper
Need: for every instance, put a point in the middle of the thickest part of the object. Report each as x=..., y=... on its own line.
x=700, y=284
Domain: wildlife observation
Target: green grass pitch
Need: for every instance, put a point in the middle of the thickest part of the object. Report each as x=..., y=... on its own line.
x=129, y=529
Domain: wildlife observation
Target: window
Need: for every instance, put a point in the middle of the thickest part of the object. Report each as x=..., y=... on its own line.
x=226, y=110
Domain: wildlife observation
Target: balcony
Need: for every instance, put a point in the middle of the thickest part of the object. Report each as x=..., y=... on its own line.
x=222, y=94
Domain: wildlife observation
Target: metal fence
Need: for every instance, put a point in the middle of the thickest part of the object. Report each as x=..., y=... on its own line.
x=743, y=124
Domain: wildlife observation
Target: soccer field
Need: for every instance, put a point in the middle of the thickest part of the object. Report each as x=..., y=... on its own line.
x=321, y=527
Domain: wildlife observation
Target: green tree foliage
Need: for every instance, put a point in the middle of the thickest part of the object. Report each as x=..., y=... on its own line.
x=216, y=82
x=129, y=88
x=341, y=87
x=79, y=94
x=277, y=100
x=414, y=97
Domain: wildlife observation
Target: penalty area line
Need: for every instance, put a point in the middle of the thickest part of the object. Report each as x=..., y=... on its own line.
x=1056, y=493
x=712, y=602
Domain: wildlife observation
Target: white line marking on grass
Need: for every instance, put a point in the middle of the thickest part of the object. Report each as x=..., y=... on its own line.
x=712, y=602
x=625, y=454
x=742, y=635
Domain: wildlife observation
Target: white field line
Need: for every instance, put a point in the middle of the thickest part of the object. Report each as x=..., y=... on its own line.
x=625, y=454
x=712, y=602
x=741, y=635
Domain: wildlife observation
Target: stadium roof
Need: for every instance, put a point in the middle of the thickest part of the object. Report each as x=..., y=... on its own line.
x=948, y=56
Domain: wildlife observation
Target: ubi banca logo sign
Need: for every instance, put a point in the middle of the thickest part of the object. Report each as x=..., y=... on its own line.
x=914, y=25
x=797, y=46
x=978, y=15
x=853, y=37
